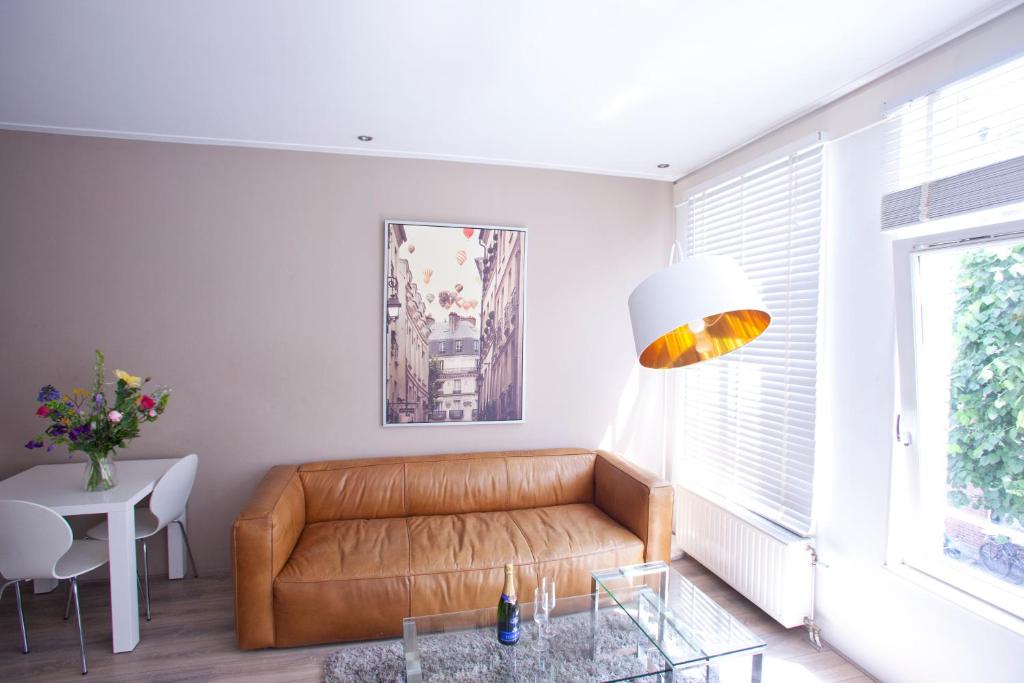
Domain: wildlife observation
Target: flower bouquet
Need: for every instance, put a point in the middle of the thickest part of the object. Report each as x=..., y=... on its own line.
x=88, y=421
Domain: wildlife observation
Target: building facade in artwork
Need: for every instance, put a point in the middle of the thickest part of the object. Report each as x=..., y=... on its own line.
x=501, y=338
x=407, y=341
x=454, y=363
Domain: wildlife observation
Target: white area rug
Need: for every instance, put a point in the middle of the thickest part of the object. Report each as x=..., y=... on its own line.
x=477, y=657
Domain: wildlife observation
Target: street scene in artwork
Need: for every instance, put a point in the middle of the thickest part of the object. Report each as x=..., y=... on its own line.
x=454, y=324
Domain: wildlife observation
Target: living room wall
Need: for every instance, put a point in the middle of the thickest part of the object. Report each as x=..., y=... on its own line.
x=251, y=281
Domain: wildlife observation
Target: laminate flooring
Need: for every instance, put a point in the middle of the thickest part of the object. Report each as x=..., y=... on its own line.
x=192, y=638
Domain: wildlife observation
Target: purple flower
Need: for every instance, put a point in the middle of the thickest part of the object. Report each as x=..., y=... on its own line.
x=99, y=399
x=56, y=430
x=34, y=443
x=80, y=431
x=48, y=393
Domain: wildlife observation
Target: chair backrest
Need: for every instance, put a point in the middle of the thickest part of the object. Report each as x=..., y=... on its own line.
x=172, y=491
x=32, y=539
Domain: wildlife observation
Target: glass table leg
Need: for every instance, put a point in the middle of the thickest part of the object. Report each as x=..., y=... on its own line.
x=755, y=668
x=413, y=666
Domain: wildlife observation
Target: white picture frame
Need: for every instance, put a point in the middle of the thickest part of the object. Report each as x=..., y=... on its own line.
x=453, y=324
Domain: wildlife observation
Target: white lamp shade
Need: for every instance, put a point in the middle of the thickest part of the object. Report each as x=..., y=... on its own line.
x=700, y=308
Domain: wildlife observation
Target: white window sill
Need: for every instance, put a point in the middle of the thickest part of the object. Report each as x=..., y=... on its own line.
x=958, y=597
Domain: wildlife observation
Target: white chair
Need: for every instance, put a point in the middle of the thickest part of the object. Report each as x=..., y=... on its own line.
x=36, y=543
x=166, y=506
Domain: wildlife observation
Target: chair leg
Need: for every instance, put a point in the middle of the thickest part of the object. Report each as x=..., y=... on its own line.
x=67, y=603
x=192, y=560
x=145, y=573
x=78, y=618
x=21, y=617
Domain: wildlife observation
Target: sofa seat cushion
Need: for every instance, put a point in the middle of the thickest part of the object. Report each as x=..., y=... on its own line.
x=564, y=531
x=336, y=565
x=349, y=549
x=457, y=561
x=473, y=540
x=571, y=541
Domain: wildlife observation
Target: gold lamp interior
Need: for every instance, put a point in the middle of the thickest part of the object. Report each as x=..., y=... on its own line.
x=721, y=334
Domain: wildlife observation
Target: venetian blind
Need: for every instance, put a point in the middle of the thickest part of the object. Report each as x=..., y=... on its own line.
x=748, y=417
x=957, y=150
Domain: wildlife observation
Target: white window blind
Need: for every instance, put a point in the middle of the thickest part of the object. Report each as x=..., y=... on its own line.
x=748, y=417
x=956, y=150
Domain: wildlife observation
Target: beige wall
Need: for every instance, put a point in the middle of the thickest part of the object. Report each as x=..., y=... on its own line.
x=251, y=281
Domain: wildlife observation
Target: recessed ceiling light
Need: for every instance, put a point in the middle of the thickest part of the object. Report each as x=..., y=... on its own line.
x=365, y=138
x=662, y=165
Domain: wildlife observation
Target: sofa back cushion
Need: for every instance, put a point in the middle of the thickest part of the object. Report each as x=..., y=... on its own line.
x=446, y=484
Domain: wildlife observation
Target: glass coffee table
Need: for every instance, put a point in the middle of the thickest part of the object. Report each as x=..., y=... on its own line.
x=642, y=623
x=687, y=628
x=588, y=638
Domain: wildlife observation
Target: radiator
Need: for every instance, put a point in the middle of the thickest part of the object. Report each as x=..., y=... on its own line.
x=769, y=565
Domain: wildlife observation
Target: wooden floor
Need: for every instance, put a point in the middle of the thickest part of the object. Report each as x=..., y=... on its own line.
x=191, y=638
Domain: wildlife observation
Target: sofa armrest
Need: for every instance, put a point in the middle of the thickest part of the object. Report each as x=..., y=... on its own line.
x=638, y=500
x=263, y=537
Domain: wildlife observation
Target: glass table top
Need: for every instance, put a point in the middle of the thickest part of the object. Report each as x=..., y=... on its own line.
x=588, y=638
x=685, y=625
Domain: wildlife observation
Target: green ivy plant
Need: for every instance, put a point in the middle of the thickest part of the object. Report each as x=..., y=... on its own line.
x=986, y=438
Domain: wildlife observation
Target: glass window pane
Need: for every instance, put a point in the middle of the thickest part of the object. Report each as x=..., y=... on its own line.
x=970, y=385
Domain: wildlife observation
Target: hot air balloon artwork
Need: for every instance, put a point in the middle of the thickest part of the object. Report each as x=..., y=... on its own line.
x=454, y=302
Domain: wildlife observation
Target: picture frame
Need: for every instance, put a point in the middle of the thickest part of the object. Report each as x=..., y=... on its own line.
x=454, y=324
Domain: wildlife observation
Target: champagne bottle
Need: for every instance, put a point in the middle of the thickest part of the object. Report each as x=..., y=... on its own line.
x=508, y=610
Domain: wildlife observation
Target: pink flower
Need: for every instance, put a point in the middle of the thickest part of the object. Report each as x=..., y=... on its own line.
x=114, y=416
x=43, y=411
x=152, y=413
x=146, y=402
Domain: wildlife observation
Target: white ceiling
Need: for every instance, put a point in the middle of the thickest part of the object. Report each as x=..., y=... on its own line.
x=590, y=85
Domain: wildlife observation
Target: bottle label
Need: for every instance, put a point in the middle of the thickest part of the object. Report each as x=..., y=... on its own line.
x=508, y=627
x=509, y=633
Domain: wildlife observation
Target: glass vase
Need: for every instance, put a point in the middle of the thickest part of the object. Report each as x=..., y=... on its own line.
x=100, y=473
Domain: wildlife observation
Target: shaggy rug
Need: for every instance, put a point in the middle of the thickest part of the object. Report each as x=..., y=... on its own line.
x=477, y=657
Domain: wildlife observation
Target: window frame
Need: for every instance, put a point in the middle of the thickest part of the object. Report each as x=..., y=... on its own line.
x=906, y=466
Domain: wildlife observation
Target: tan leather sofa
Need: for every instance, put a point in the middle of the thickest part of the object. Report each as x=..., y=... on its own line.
x=345, y=549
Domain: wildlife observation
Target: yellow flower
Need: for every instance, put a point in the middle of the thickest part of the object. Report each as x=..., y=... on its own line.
x=131, y=380
x=79, y=392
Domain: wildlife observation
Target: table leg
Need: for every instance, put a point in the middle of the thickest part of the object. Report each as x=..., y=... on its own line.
x=755, y=668
x=176, y=558
x=413, y=665
x=124, y=599
x=595, y=606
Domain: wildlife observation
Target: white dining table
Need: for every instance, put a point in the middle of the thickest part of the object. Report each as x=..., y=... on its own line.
x=60, y=488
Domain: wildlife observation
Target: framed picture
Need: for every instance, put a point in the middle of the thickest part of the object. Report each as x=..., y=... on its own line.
x=454, y=318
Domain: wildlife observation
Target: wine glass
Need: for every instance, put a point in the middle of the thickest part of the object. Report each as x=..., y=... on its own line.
x=543, y=603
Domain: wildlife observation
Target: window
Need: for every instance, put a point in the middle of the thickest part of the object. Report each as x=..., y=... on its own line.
x=458, y=346
x=959, y=472
x=440, y=347
x=747, y=419
x=964, y=399
x=957, y=150
x=458, y=386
